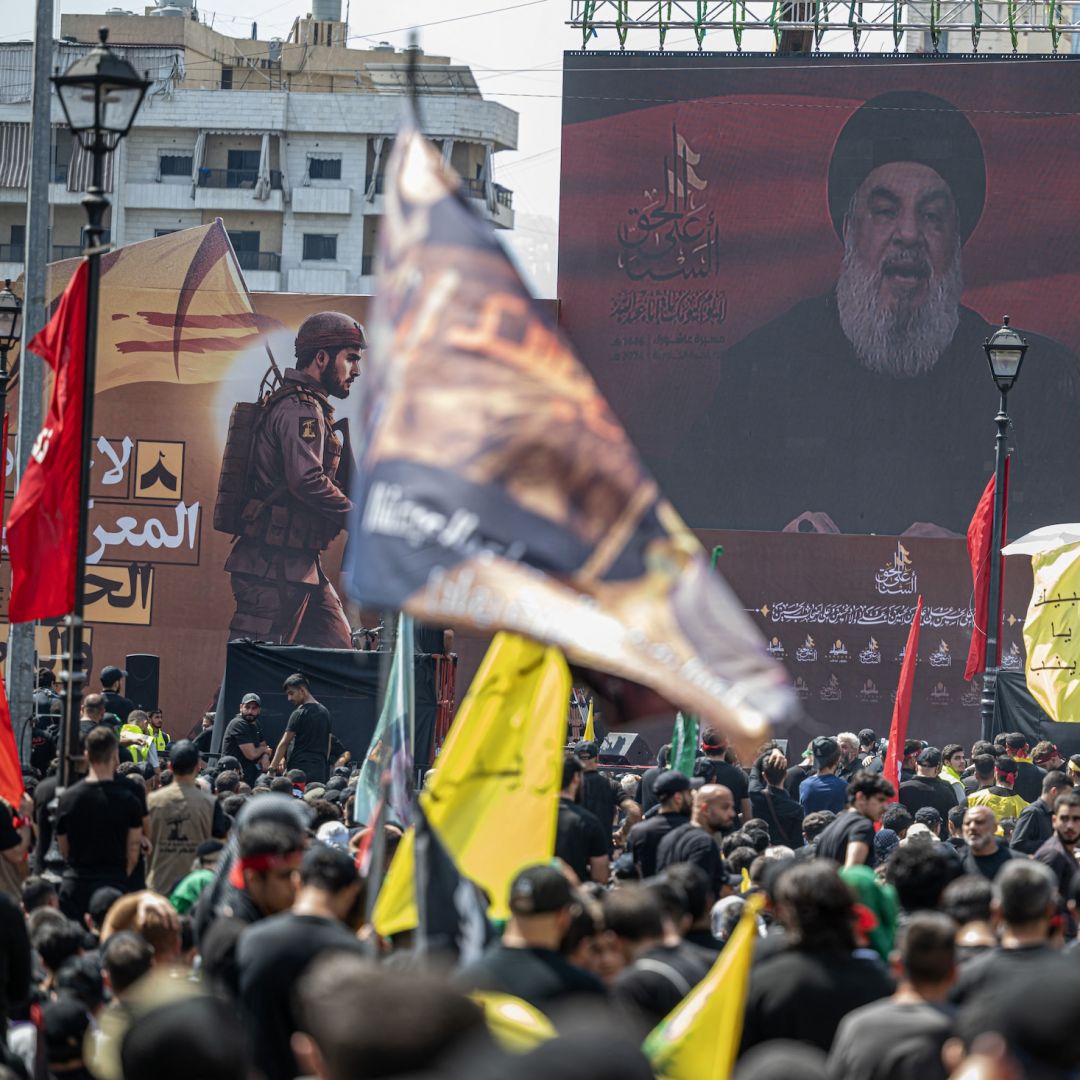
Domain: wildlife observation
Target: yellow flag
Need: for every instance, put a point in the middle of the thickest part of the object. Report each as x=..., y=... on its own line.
x=590, y=727
x=1052, y=633
x=494, y=798
x=699, y=1038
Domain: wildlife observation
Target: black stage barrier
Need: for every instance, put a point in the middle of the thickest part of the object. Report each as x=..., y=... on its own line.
x=1016, y=710
x=348, y=683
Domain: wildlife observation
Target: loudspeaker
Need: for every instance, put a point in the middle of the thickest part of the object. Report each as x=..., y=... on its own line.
x=141, y=684
x=625, y=748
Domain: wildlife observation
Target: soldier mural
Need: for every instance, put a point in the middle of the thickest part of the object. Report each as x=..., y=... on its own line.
x=283, y=488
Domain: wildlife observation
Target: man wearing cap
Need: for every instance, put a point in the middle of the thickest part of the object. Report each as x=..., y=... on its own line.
x=828, y=392
x=182, y=816
x=527, y=962
x=598, y=794
x=115, y=702
x=244, y=739
x=581, y=841
x=298, y=501
x=825, y=790
x=672, y=789
x=927, y=788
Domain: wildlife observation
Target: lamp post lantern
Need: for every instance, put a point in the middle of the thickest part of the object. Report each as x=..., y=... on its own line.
x=100, y=94
x=1005, y=350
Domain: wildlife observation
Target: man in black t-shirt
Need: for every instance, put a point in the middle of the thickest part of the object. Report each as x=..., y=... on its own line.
x=115, y=702
x=713, y=768
x=580, y=839
x=598, y=793
x=927, y=788
x=849, y=840
x=672, y=789
x=98, y=826
x=697, y=842
x=770, y=802
x=244, y=739
x=527, y=962
x=205, y=738
x=306, y=742
x=274, y=953
x=984, y=854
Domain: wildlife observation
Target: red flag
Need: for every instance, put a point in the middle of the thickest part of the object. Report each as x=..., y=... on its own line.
x=11, y=781
x=979, y=536
x=43, y=529
x=902, y=708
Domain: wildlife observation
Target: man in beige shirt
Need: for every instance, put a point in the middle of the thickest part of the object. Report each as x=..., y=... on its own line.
x=182, y=816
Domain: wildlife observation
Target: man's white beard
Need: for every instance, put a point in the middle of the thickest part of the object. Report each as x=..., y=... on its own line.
x=907, y=337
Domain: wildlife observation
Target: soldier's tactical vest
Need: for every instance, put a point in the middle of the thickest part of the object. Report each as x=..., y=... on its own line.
x=274, y=519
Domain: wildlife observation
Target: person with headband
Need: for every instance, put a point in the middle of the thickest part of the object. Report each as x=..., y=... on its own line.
x=1001, y=798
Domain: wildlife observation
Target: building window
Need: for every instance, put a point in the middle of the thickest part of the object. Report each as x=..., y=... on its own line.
x=324, y=168
x=164, y=232
x=175, y=165
x=243, y=170
x=319, y=247
x=226, y=78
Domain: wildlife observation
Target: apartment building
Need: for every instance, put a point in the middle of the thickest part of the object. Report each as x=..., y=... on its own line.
x=285, y=140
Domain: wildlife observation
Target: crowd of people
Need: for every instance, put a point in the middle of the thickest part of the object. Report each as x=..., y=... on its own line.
x=177, y=913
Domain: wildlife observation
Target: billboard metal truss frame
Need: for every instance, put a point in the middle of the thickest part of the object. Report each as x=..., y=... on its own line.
x=814, y=18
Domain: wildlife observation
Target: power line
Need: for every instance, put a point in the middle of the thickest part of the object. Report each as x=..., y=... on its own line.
x=453, y=19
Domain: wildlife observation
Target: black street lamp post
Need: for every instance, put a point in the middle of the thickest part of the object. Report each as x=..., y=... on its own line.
x=100, y=94
x=1005, y=350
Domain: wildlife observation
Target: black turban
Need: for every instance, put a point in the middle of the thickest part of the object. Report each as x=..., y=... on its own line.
x=908, y=125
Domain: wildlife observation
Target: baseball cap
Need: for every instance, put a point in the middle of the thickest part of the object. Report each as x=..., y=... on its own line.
x=824, y=749
x=183, y=755
x=250, y=699
x=867, y=735
x=587, y=748
x=112, y=673
x=930, y=757
x=670, y=782
x=539, y=890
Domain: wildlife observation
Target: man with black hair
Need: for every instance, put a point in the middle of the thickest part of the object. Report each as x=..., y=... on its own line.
x=920, y=874
x=806, y=988
x=770, y=802
x=659, y=968
x=955, y=830
x=580, y=839
x=527, y=961
x=182, y=816
x=305, y=743
x=714, y=768
x=981, y=775
x=696, y=842
x=1025, y=899
x=125, y=959
x=849, y=840
x=825, y=790
x=927, y=788
x=274, y=953
x=985, y=854
x=1035, y=824
x=901, y=1036
x=1029, y=776
x=968, y=901
x=700, y=897
x=870, y=751
x=56, y=940
x=262, y=882
x=953, y=764
x=673, y=792
x=98, y=827
x=1001, y=798
x=358, y=1020
x=1058, y=852
x=38, y=892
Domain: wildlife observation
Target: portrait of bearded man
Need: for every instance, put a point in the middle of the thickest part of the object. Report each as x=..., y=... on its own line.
x=869, y=409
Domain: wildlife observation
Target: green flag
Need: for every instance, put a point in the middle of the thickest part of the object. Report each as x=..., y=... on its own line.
x=684, y=743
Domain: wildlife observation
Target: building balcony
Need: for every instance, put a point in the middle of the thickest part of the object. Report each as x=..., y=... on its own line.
x=263, y=280
x=321, y=200
x=502, y=217
x=155, y=196
x=13, y=253
x=259, y=260
x=236, y=178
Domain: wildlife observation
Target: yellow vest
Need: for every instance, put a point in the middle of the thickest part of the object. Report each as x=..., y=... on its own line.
x=137, y=751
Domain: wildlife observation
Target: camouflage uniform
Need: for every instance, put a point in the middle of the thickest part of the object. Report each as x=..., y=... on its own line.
x=297, y=509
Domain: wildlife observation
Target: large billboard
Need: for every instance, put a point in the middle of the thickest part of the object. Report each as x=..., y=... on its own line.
x=781, y=271
x=181, y=342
